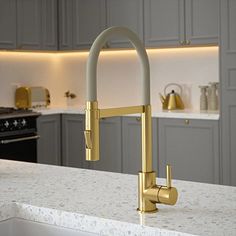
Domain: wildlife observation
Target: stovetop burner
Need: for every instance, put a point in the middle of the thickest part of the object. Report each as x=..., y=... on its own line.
x=15, y=121
x=9, y=110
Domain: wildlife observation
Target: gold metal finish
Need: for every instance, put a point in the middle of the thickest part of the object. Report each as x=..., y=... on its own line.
x=92, y=131
x=88, y=141
x=149, y=192
x=186, y=121
x=31, y=97
x=188, y=42
x=147, y=139
x=168, y=176
x=120, y=111
x=172, y=100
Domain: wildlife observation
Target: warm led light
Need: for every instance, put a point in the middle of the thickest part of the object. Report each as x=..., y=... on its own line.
x=132, y=52
x=26, y=55
x=41, y=54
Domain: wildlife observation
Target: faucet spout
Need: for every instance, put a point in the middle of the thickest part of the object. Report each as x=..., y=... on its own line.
x=149, y=192
x=100, y=41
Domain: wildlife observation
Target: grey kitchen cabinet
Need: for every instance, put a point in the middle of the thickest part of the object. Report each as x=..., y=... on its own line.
x=37, y=24
x=29, y=24
x=80, y=22
x=181, y=22
x=202, y=21
x=164, y=22
x=128, y=14
x=49, y=18
x=49, y=143
x=7, y=24
x=110, y=145
x=132, y=145
x=73, y=145
x=191, y=147
x=228, y=90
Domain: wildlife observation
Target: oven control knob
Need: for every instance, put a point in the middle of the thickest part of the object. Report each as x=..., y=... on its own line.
x=6, y=124
x=15, y=123
x=23, y=122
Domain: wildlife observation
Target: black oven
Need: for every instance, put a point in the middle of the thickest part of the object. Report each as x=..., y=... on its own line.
x=19, y=147
x=18, y=136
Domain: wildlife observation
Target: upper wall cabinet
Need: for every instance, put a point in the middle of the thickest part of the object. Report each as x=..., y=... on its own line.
x=181, y=22
x=80, y=22
x=202, y=21
x=49, y=25
x=125, y=13
x=8, y=24
x=28, y=24
x=164, y=22
x=37, y=24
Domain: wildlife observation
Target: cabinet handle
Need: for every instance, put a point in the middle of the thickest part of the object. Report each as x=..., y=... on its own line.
x=188, y=42
x=182, y=42
x=138, y=119
x=186, y=122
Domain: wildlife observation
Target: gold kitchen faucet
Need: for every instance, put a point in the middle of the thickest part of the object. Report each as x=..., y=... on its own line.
x=149, y=192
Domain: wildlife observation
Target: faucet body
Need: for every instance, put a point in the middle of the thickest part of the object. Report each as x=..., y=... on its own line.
x=149, y=192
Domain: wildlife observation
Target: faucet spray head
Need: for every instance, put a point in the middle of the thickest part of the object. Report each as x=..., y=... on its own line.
x=91, y=132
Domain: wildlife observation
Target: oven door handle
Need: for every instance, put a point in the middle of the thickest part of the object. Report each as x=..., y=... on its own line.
x=6, y=141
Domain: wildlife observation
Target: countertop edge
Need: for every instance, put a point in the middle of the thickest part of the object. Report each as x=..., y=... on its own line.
x=83, y=222
x=188, y=114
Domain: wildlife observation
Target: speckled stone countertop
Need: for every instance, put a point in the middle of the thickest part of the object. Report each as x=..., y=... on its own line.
x=105, y=203
x=178, y=114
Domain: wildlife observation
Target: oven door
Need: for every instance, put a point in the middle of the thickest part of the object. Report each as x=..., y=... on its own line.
x=19, y=148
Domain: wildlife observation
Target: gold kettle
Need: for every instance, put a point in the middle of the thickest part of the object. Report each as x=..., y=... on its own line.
x=172, y=100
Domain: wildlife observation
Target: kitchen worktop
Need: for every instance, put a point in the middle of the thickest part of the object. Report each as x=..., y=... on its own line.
x=179, y=114
x=105, y=203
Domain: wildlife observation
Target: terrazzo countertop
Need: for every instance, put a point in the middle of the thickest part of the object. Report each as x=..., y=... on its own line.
x=105, y=203
x=179, y=114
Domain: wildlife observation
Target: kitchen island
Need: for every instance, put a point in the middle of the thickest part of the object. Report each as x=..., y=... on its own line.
x=105, y=203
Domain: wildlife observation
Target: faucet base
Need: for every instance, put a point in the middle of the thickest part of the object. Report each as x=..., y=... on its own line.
x=153, y=211
x=147, y=192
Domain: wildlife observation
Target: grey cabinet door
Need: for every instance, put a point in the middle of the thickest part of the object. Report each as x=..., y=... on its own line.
x=49, y=25
x=73, y=145
x=49, y=143
x=110, y=145
x=191, y=147
x=202, y=21
x=132, y=144
x=181, y=22
x=29, y=24
x=37, y=24
x=8, y=24
x=125, y=13
x=80, y=22
x=65, y=24
x=164, y=22
x=89, y=21
x=228, y=90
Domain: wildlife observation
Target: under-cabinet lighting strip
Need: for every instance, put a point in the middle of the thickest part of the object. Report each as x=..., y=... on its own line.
x=110, y=52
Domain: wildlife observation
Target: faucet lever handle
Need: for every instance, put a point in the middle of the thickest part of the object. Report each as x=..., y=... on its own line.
x=88, y=141
x=168, y=176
